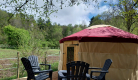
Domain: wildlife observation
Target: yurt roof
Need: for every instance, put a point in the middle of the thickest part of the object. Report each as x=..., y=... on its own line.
x=102, y=33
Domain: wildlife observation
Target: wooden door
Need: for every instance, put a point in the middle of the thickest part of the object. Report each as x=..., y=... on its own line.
x=70, y=52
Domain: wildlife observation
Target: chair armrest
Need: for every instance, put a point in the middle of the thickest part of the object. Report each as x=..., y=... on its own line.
x=35, y=67
x=98, y=72
x=43, y=71
x=47, y=65
x=60, y=74
x=94, y=68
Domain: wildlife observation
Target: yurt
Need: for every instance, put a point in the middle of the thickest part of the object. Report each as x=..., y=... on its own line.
x=97, y=43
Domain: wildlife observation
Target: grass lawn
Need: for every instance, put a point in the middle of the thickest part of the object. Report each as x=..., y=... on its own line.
x=8, y=53
x=53, y=51
x=12, y=53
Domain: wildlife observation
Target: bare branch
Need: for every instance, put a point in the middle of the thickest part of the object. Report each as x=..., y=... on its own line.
x=135, y=3
x=17, y=9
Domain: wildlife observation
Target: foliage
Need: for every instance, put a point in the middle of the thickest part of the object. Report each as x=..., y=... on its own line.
x=127, y=9
x=77, y=29
x=16, y=36
x=3, y=18
x=91, y=21
x=95, y=20
x=9, y=78
x=3, y=38
x=54, y=66
x=45, y=10
x=23, y=21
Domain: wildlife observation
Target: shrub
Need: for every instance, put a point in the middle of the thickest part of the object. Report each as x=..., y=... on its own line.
x=16, y=36
x=54, y=66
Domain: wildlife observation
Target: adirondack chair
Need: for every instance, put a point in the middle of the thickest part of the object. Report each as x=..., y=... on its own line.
x=30, y=74
x=35, y=64
x=103, y=71
x=76, y=70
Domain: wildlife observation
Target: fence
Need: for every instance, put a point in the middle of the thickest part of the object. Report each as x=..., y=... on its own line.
x=10, y=67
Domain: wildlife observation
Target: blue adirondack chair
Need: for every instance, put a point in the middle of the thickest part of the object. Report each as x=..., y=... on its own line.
x=30, y=73
x=102, y=71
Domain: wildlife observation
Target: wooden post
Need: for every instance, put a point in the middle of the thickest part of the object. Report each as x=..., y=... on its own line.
x=17, y=64
x=45, y=59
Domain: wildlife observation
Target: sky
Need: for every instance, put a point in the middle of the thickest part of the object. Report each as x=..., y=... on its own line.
x=77, y=14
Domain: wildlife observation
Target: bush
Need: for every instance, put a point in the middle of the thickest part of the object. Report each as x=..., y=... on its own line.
x=54, y=66
x=16, y=36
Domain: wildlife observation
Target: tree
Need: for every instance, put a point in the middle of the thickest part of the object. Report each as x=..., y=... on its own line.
x=76, y=29
x=64, y=32
x=57, y=34
x=91, y=21
x=48, y=7
x=97, y=20
x=41, y=23
x=3, y=18
x=16, y=37
x=127, y=9
x=23, y=21
x=109, y=18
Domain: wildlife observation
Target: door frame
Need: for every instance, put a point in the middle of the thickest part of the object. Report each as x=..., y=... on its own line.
x=76, y=49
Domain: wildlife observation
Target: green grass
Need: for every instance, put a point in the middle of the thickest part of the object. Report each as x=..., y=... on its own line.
x=53, y=51
x=12, y=53
x=9, y=78
x=14, y=77
x=54, y=66
x=8, y=53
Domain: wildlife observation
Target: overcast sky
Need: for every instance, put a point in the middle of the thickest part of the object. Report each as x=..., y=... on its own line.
x=80, y=14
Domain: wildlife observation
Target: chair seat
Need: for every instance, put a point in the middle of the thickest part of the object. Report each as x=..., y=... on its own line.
x=41, y=76
x=94, y=77
x=64, y=72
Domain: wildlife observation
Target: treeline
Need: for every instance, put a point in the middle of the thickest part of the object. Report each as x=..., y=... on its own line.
x=23, y=30
x=123, y=14
x=114, y=20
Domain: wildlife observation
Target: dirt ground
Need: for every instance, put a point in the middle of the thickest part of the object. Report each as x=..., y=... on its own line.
x=52, y=58
x=54, y=77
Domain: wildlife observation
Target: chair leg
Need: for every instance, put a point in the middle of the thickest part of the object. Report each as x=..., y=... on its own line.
x=59, y=78
x=103, y=78
x=88, y=78
x=50, y=75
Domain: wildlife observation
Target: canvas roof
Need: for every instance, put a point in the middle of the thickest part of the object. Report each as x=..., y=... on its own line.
x=102, y=33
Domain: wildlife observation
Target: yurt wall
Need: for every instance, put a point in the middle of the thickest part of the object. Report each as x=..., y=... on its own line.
x=123, y=55
x=68, y=52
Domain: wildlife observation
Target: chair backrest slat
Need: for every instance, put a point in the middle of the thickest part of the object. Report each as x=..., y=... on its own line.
x=28, y=68
x=106, y=66
x=72, y=69
x=77, y=70
x=33, y=60
x=81, y=69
